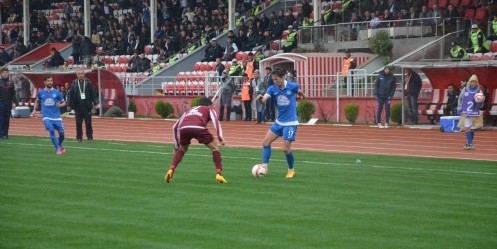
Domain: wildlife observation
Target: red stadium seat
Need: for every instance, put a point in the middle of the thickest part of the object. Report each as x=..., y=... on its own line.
x=238, y=56
x=454, y=3
x=196, y=67
x=442, y=4
x=431, y=3
x=476, y=57
x=487, y=56
x=481, y=14
x=469, y=14
x=466, y=3
x=493, y=47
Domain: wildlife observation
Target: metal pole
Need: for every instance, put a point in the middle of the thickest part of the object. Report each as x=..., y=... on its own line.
x=337, y=97
x=231, y=14
x=403, y=97
x=153, y=19
x=1, y=33
x=100, y=93
x=86, y=9
x=25, y=20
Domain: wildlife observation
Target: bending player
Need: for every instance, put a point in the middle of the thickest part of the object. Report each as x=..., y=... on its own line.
x=284, y=95
x=51, y=100
x=193, y=124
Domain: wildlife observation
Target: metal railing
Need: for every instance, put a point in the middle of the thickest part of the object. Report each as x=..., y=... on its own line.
x=398, y=29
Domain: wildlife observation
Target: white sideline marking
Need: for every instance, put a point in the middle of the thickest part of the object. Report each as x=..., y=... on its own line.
x=258, y=158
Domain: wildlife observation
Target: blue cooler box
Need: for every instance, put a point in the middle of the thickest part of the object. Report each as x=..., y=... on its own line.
x=449, y=124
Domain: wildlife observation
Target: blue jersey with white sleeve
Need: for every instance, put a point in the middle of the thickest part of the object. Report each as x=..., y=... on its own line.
x=286, y=102
x=48, y=101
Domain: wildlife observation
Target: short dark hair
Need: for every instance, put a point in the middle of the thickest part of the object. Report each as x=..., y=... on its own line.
x=4, y=69
x=48, y=76
x=205, y=101
x=279, y=72
x=269, y=68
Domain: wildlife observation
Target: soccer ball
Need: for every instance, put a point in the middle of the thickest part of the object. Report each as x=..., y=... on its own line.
x=479, y=97
x=259, y=171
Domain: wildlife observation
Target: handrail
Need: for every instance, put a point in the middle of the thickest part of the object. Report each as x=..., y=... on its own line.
x=416, y=50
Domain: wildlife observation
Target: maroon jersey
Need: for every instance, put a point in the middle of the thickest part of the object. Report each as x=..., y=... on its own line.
x=195, y=120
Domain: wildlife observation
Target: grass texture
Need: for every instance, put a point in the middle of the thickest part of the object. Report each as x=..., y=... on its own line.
x=112, y=195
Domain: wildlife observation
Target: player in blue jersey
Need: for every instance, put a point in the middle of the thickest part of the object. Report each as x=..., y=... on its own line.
x=469, y=109
x=51, y=100
x=285, y=126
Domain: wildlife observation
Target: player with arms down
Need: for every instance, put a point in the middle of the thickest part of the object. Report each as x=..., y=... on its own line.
x=51, y=100
x=284, y=95
x=193, y=124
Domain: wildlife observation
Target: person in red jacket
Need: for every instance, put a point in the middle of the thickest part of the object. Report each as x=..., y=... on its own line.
x=193, y=124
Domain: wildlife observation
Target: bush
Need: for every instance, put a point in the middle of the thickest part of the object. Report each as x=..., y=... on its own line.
x=114, y=112
x=351, y=112
x=396, y=113
x=381, y=44
x=305, y=109
x=164, y=109
x=131, y=106
x=195, y=101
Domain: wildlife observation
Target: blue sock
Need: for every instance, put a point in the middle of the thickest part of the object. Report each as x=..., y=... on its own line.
x=290, y=160
x=61, y=138
x=266, y=154
x=471, y=136
x=54, y=139
x=468, y=136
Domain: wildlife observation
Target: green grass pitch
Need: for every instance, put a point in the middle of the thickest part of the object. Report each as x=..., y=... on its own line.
x=112, y=195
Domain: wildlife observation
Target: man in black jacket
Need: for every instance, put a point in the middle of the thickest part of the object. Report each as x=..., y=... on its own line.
x=82, y=97
x=7, y=102
x=411, y=92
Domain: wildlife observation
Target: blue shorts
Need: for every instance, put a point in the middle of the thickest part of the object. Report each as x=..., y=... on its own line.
x=51, y=125
x=286, y=132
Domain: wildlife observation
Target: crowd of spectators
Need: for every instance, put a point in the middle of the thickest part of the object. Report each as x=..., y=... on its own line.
x=184, y=25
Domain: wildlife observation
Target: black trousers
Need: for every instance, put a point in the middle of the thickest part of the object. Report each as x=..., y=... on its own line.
x=5, y=112
x=221, y=112
x=248, y=110
x=86, y=116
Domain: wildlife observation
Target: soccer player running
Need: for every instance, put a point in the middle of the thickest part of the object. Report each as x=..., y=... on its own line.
x=284, y=93
x=193, y=124
x=51, y=100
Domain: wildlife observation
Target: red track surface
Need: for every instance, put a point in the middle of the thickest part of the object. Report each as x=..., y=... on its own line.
x=325, y=138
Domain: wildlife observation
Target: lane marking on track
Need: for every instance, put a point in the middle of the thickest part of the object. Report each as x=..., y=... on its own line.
x=278, y=160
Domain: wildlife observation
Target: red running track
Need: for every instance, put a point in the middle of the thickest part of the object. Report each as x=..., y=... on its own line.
x=399, y=141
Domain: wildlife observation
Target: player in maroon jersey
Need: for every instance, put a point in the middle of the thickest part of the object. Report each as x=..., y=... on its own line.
x=193, y=124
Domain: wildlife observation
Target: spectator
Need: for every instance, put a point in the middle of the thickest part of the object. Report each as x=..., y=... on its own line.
x=143, y=63
x=4, y=56
x=291, y=40
x=457, y=52
x=76, y=49
x=212, y=51
x=384, y=89
x=219, y=67
x=452, y=98
x=231, y=49
x=226, y=95
x=87, y=50
x=56, y=59
x=477, y=41
x=412, y=88
x=259, y=85
x=493, y=29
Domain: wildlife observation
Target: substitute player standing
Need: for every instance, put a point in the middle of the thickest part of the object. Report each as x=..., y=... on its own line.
x=284, y=93
x=469, y=109
x=51, y=100
x=193, y=124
